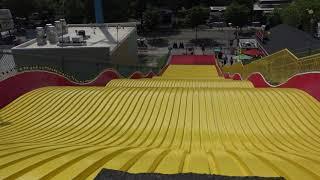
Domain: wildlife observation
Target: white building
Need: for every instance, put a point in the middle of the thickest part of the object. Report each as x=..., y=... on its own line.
x=267, y=6
x=248, y=44
x=102, y=46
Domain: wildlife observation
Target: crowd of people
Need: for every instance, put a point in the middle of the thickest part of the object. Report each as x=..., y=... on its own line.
x=189, y=49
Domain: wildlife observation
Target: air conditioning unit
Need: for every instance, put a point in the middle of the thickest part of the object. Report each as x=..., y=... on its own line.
x=64, y=39
x=77, y=39
x=82, y=33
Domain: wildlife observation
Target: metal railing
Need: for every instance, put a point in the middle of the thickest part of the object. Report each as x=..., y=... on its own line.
x=124, y=70
x=49, y=69
x=278, y=67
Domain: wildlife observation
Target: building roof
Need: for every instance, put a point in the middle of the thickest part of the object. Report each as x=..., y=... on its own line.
x=284, y=36
x=253, y=52
x=218, y=8
x=268, y=5
x=258, y=7
x=274, y=1
x=100, y=36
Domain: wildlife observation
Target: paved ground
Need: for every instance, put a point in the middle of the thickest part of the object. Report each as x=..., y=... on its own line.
x=216, y=37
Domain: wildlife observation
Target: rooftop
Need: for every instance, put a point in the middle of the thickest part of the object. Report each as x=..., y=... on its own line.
x=284, y=36
x=100, y=36
x=258, y=7
x=275, y=1
x=218, y=8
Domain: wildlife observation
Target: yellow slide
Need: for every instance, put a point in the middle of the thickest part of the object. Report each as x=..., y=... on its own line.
x=165, y=126
x=190, y=72
x=187, y=83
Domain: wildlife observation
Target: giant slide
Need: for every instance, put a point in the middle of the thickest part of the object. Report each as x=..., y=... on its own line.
x=187, y=120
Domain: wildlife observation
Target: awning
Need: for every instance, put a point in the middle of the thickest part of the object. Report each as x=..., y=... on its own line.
x=217, y=50
x=243, y=57
x=253, y=52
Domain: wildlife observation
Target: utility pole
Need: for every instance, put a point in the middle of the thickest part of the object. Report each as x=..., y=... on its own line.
x=311, y=13
x=118, y=27
x=196, y=33
x=98, y=11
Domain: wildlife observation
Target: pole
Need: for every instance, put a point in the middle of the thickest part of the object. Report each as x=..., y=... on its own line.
x=118, y=35
x=64, y=15
x=98, y=11
x=238, y=35
x=311, y=13
x=196, y=33
x=310, y=40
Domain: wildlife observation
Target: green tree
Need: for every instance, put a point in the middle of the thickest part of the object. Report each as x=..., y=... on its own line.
x=221, y=2
x=247, y=3
x=237, y=14
x=21, y=8
x=197, y=16
x=77, y=11
x=137, y=8
x=298, y=13
x=116, y=10
x=291, y=15
x=274, y=18
x=151, y=19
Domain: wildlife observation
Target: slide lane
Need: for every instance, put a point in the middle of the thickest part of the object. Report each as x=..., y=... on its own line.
x=308, y=82
x=158, y=82
x=191, y=72
x=73, y=132
x=24, y=82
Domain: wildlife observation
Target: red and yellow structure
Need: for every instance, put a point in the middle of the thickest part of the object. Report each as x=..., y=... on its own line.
x=187, y=120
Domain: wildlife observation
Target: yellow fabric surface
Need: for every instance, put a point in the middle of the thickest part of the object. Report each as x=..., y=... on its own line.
x=190, y=72
x=74, y=132
x=191, y=83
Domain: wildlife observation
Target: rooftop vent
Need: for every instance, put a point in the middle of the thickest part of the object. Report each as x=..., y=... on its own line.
x=58, y=26
x=52, y=35
x=41, y=36
x=77, y=39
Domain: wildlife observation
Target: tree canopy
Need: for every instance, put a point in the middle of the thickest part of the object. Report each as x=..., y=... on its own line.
x=302, y=13
x=197, y=16
x=247, y=3
x=274, y=18
x=151, y=19
x=114, y=9
x=237, y=14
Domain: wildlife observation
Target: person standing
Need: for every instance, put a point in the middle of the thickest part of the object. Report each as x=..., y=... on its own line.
x=203, y=49
x=225, y=59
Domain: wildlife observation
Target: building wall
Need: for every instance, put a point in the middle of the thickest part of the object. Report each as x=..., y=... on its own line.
x=127, y=52
x=82, y=63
